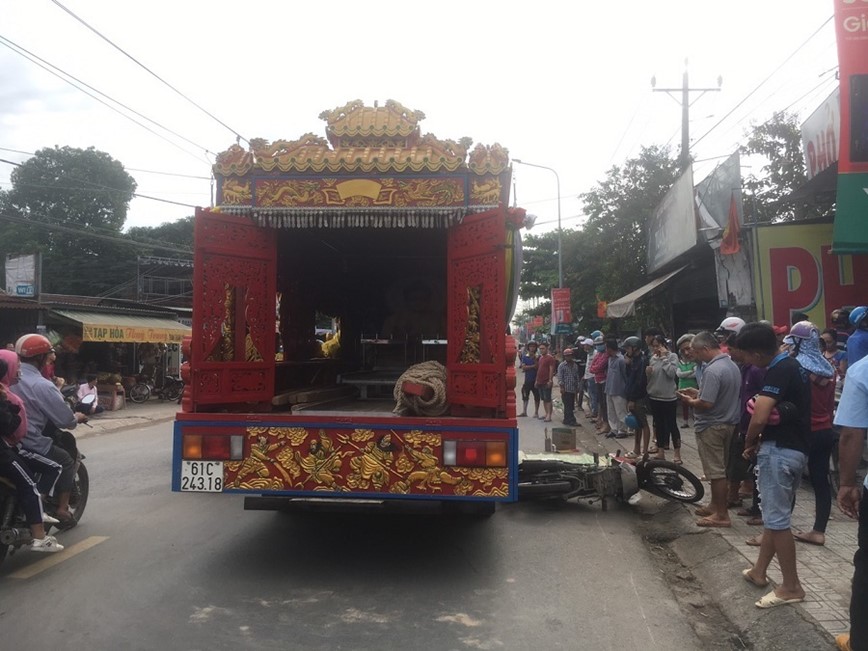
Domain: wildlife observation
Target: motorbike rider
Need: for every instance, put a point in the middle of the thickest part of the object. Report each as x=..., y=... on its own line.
x=45, y=408
x=13, y=425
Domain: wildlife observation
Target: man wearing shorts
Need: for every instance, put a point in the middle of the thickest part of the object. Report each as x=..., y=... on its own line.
x=781, y=453
x=545, y=373
x=717, y=411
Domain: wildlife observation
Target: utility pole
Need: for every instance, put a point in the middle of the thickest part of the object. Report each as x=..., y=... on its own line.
x=685, y=90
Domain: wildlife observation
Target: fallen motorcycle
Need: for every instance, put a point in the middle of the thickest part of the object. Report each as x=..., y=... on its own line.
x=591, y=476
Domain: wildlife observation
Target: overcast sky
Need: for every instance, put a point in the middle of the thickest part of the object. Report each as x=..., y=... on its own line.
x=561, y=84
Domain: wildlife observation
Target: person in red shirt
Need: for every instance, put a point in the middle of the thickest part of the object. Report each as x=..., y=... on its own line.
x=546, y=367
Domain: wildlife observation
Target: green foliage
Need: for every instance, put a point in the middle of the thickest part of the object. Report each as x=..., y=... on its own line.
x=778, y=142
x=607, y=257
x=70, y=205
x=60, y=197
x=177, y=234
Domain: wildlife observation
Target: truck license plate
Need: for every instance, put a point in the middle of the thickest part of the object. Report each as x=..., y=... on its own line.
x=202, y=476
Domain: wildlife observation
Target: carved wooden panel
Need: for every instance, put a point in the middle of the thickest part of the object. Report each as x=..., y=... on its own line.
x=232, y=352
x=476, y=304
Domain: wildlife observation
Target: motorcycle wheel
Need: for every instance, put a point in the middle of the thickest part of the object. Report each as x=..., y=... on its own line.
x=80, y=491
x=140, y=392
x=671, y=481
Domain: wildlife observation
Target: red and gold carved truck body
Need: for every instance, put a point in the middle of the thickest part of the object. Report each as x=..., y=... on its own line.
x=405, y=244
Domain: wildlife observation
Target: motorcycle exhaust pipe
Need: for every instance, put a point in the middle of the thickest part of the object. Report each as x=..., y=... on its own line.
x=15, y=536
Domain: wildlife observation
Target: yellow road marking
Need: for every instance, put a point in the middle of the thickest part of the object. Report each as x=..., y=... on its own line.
x=55, y=558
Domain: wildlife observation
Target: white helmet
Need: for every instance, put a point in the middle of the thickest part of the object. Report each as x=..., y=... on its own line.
x=731, y=324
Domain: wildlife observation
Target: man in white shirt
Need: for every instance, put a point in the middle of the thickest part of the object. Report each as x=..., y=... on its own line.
x=87, y=405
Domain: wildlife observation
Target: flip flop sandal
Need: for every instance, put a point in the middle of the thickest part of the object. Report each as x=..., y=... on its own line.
x=801, y=538
x=703, y=512
x=771, y=600
x=752, y=581
x=755, y=541
x=708, y=522
x=678, y=462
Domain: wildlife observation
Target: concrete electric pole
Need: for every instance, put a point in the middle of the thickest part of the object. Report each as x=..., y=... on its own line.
x=685, y=103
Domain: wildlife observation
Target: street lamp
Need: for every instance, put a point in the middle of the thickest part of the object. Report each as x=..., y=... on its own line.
x=558, y=180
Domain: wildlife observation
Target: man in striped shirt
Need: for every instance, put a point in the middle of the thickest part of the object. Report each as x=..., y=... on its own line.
x=569, y=377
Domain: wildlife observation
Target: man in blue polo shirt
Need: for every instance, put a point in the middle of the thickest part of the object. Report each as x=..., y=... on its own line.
x=852, y=418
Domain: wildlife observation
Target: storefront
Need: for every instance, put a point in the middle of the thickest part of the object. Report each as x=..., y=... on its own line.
x=116, y=345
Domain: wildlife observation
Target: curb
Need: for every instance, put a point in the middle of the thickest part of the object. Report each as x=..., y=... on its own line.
x=142, y=421
x=717, y=566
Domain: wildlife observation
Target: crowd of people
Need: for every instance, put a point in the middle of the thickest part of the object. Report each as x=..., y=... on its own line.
x=766, y=403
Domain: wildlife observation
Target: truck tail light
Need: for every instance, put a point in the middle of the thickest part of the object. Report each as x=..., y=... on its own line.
x=490, y=454
x=213, y=448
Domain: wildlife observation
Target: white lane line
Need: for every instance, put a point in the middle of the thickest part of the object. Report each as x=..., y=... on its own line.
x=57, y=557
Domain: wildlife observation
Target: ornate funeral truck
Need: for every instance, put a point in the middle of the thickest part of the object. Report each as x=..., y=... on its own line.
x=351, y=304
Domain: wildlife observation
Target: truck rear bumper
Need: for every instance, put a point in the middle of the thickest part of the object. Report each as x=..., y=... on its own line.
x=337, y=505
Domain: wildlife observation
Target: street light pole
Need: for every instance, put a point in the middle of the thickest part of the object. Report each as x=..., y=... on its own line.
x=558, y=180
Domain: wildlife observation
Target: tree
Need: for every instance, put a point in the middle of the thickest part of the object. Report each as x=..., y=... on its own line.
x=176, y=235
x=60, y=199
x=612, y=249
x=607, y=257
x=778, y=143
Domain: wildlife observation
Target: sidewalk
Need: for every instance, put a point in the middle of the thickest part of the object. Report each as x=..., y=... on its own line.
x=825, y=572
x=131, y=416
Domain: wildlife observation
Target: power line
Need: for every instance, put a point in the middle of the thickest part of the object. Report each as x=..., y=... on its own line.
x=763, y=82
x=45, y=65
x=149, y=71
x=96, y=186
x=89, y=233
x=129, y=169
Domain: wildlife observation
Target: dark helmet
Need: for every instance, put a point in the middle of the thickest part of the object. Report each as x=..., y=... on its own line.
x=632, y=342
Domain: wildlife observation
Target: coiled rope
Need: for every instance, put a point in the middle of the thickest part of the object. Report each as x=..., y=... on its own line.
x=430, y=374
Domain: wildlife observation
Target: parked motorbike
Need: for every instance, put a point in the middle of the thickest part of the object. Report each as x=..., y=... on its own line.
x=70, y=394
x=144, y=387
x=564, y=476
x=14, y=531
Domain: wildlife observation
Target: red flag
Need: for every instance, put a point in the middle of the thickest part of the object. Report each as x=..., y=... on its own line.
x=601, y=308
x=729, y=244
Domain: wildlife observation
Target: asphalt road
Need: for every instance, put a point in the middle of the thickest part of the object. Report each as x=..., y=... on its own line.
x=151, y=569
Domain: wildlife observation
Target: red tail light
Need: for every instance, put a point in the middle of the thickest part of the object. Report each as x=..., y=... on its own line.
x=213, y=448
x=471, y=453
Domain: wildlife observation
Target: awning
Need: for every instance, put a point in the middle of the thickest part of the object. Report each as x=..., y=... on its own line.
x=626, y=306
x=100, y=326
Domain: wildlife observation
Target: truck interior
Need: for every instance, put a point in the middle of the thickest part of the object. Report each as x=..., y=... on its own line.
x=384, y=289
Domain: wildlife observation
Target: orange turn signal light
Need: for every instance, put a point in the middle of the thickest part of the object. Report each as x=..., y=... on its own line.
x=495, y=454
x=192, y=446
